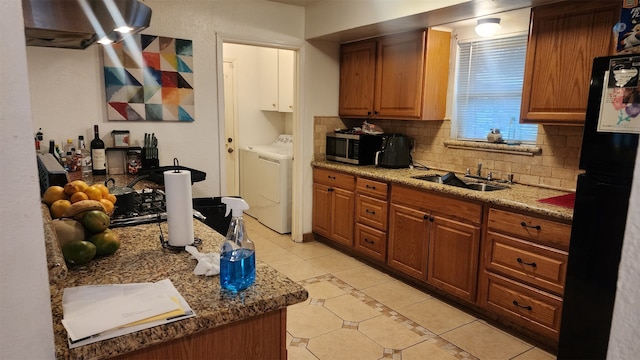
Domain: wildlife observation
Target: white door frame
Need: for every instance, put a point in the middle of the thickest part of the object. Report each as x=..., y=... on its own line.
x=297, y=200
x=231, y=189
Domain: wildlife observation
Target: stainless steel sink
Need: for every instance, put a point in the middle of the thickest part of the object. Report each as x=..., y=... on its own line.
x=476, y=186
x=485, y=187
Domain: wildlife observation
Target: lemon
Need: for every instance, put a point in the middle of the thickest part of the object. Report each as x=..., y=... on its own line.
x=80, y=184
x=93, y=192
x=108, y=205
x=78, y=197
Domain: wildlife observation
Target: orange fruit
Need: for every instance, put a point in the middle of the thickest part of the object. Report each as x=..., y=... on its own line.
x=71, y=188
x=59, y=207
x=103, y=188
x=112, y=198
x=93, y=192
x=78, y=196
x=80, y=184
x=108, y=205
x=54, y=193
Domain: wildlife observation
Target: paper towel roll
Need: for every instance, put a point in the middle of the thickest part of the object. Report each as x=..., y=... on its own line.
x=177, y=187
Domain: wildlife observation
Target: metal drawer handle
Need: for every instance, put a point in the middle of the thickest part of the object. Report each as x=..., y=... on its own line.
x=370, y=187
x=427, y=217
x=532, y=264
x=369, y=211
x=528, y=307
x=369, y=241
x=331, y=177
x=537, y=227
x=330, y=189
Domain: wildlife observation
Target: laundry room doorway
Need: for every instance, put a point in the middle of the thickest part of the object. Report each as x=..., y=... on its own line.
x=259, y=112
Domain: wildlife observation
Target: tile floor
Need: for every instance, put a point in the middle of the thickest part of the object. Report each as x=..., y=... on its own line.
x=357, y=312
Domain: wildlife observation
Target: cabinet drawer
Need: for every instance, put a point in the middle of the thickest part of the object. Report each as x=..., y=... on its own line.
x=372, y=212
x=526, y=306
x=542, y=231
x=371, y=242
x=526, y=261
x=332, y=178
x=464, y=210
x=372, y=188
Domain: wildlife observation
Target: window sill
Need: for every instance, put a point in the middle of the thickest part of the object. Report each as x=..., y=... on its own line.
x=528, y=150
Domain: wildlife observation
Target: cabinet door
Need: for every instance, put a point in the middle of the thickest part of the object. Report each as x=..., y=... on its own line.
x=564, y=40
x=399, y=75
x=342, y=216
x=285, y=80
x=268, y=78
x=453, y=257
x=322, y=210
x=408, y=241
x=357, y=72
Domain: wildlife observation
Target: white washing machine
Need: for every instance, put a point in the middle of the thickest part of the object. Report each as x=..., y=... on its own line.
x=265, y=182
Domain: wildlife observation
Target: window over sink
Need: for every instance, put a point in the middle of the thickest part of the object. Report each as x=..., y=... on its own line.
x=488, y=90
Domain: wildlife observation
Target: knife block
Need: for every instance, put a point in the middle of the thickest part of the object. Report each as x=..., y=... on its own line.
x=148, y=162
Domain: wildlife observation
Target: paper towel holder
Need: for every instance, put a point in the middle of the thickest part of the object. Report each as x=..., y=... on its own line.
x=197, y=242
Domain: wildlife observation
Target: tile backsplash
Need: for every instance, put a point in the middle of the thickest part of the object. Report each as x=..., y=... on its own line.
x=556, y=166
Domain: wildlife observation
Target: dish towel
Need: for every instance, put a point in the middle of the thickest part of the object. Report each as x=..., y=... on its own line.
x=208, y=263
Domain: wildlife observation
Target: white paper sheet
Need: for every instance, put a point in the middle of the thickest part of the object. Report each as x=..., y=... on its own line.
x=99, y=312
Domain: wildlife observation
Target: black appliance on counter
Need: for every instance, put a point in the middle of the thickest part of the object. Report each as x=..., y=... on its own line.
x=610, y=143
x=395, y=152
x=352, y=148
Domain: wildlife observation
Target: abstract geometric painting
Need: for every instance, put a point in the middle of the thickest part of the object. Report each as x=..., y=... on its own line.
x=149, y=78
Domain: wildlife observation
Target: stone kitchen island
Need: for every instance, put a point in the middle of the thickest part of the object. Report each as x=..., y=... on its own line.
x=250, y=324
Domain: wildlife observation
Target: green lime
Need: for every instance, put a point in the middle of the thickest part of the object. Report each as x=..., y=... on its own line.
x=106, y=242
x=78, y=252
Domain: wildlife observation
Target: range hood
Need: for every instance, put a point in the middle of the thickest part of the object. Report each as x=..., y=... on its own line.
x=76, y=24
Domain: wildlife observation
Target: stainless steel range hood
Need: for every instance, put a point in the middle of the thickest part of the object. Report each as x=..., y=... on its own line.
x=76, y=24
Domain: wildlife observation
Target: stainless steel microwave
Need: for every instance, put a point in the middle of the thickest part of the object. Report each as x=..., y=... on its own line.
x=356, y=149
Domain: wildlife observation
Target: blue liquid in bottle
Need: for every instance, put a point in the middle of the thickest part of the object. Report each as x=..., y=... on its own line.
x=237, y=269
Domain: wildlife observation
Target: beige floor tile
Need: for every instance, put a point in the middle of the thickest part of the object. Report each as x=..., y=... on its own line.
x=345, y=344
x=388, y=333
x=311, y=321
x=349, y=308
x=265, y=246
x=427, y=350
x=486, y=342
x=362, y=277
x=299, y=353
x=310, y=250
x=278, y=256
x=299, y=270
x=535, y=354
x=336, y=262
x=323, y=290
x=435, y=315
x=395, y=294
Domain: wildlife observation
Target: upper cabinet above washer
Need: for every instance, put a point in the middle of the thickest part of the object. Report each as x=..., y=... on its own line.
x=563, y=41
x=401, y=76
x=276, y=79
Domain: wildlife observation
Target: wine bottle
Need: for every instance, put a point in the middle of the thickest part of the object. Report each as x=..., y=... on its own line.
x=98, y=156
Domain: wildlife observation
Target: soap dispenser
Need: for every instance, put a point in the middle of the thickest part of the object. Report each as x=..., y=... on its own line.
x=237, y=256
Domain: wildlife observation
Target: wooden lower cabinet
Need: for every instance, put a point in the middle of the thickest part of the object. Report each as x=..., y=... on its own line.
x=453, y=257
x=408, y=241
x=333, y=206
x=263, y=337
x=371, y=242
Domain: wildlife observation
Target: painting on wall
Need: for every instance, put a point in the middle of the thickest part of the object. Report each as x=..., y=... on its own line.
x=149, y=78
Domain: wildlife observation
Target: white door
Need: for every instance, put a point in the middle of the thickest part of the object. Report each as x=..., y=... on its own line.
x=230, y=130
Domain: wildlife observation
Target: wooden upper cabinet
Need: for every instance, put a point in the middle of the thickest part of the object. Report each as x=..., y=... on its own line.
x=564, y=38
x=408, y=79
x=357, y=73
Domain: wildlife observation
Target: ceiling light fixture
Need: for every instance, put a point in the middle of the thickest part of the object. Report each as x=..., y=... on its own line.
x=487, y=27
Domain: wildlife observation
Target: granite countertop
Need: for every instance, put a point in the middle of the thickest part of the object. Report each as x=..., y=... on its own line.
x=141, y=258
x=517, y=197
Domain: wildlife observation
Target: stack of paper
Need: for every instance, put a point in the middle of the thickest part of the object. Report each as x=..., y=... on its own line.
x=99, y=312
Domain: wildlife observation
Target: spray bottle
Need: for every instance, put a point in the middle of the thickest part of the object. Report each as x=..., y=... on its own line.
x=237, y=256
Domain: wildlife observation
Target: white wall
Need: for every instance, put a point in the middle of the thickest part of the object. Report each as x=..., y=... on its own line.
x=25, y=313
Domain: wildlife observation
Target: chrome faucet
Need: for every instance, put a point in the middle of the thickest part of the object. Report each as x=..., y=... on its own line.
x=479, y=171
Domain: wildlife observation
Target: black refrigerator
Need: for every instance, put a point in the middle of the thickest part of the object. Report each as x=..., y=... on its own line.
x=609, y=146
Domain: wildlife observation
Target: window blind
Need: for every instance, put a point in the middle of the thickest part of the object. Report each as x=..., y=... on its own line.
x=489, y=77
